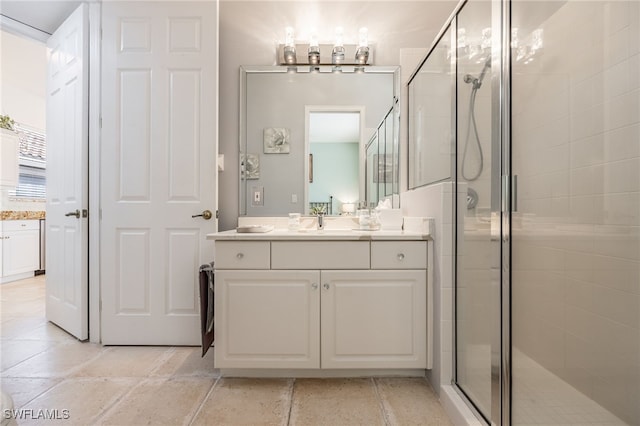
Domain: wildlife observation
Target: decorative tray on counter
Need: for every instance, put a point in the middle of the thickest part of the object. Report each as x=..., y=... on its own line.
x=251, y=229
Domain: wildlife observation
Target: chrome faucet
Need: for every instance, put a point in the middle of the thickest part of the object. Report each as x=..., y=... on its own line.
x=320, y=221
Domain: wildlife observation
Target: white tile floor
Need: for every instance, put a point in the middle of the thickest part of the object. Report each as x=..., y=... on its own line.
x=540, y=398
x=47, y=372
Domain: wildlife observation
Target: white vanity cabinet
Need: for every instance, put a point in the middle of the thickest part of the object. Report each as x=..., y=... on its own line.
x=267, y=319
x=373, y=319
x=20, y=241
x=310, y=304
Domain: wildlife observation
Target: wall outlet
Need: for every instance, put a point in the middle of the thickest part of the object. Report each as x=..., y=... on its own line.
x=294, y=198
x=258, y=196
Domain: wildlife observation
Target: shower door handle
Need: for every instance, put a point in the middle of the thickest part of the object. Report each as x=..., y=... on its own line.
x=514, y=193
x=509, y=193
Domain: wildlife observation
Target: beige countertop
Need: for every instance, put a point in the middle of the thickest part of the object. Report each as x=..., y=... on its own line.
x=326, y=235
x=336, y=229
x=21, y=215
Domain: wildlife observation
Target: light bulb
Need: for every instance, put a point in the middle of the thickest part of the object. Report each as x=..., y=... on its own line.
x=515, y=42
x=462, y=38
x=289, y=47
x=537, y=39
x=313, y=38
x=314, y=48
x=363, y=37
x=288, y=38
x=339, y=36
x=486, y=38
x=337, y=54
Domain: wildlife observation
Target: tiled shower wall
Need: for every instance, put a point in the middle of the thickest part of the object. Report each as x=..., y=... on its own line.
x=576, y=236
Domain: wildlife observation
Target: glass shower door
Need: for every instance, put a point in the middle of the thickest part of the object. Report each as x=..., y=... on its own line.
x=575, y=232
x=477, y=251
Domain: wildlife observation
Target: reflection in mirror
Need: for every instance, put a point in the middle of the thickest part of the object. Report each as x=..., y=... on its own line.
x=430, y=116
x=372, y=170
x=334, y=136
x=274, y=101
x=382, y=165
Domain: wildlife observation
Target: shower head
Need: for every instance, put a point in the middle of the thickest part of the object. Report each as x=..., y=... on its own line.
x=487, y=65
x=468, y=78
x=476, y=82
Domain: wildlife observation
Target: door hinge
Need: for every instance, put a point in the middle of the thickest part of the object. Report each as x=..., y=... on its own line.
x=101, y=122
x=217, y=214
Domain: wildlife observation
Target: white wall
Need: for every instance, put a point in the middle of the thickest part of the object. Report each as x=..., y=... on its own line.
x=250, y=31
x=436, y=201
x=23, y=76
x=23, y=68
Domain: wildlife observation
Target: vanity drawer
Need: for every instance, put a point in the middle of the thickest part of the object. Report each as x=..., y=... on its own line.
x=399, y=255
x=320, y=255
x=242, y=255
x=20, y=225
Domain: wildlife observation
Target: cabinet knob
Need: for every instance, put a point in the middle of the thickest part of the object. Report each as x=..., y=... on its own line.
x=240, y=256
x=400, y=256
x=326, y=286
x=314, y=286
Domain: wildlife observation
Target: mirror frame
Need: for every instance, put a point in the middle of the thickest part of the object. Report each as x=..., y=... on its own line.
x=326, y=69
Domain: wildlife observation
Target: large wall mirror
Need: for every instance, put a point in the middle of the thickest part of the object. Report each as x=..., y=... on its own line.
x=304, y=135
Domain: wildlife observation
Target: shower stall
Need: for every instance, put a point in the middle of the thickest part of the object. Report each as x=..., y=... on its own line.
x=546, y=166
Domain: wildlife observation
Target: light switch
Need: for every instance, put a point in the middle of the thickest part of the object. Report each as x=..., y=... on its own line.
x=258, y=196
x=294, y=198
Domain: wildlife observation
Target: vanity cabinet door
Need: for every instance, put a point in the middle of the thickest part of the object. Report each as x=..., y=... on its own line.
x=374, y=319
x=21, y=247
x=267, y=319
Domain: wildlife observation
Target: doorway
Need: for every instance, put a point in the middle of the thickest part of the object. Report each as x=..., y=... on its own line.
x=335, y=153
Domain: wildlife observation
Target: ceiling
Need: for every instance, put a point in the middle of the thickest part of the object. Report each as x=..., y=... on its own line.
x=45, y=16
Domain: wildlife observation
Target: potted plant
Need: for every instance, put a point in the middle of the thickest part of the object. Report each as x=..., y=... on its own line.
x=7, y=123
x=9, y=146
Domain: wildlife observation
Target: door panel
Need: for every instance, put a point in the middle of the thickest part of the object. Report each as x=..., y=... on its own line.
x=67, y=174
x=267, y=319
x=158, y=158
x=374, y=319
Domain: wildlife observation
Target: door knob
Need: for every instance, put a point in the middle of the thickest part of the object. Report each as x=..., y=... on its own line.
x=206, y=215
x=76, y=214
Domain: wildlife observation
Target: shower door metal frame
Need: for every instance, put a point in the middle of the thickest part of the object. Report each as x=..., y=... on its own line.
x=501, y=205
x=501, y=124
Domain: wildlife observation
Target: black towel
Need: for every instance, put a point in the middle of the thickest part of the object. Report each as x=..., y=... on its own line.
x=206, y=306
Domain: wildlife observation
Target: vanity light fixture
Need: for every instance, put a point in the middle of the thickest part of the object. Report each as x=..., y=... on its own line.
x=476, y=48
x=289, y=47
x=337, y=54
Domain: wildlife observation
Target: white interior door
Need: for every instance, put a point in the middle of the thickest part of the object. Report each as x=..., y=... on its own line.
x=67, y=175
x=158, y=163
